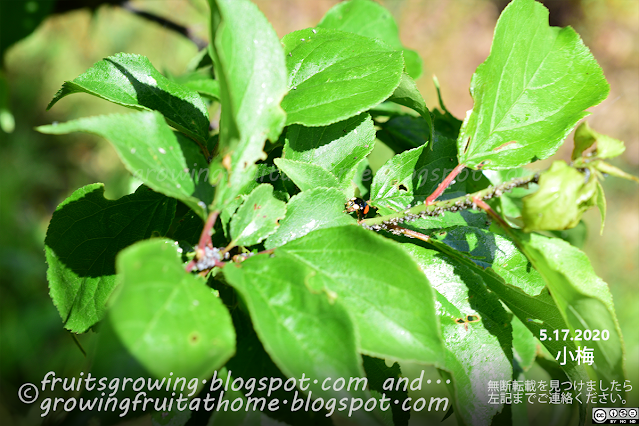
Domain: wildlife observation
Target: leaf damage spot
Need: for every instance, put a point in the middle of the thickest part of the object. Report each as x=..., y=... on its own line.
x=504, y=145
x=194, y=337
x=226, y=162
x=465, y=145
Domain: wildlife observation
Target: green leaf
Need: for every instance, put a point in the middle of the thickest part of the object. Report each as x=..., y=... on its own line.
x=306, y=333
x=335, y=75
x=403, y=132
x=475, y=219
x=228, y=211
x=363, y=178
x=201, y=60
x=583, y=298
x=131, y=81
x=408, y=95
x=310, y=210
x=85, y=234
x=460, y=292
x=18, y=20
x=410, y=177
x=377, y=373
x=337, y=148
x=601, y=205
x=257, y=217
x=197, y=167
x=230, y=417
x=382, y=288
x=307, y=175
x=490, y=250
x=524, y=345
x=604, y=167
x=205, y=87
x=269, y=173
x=537, y=312
x=152, y=152
x=188, y=229
x=110, y=358
x=508, y=273
x=560, y=201
x=250, y=67
x=386, y=109
x=531, y=91
x=251, y=361
x=170, y=321
x=511, y=203
x=7, y=120
x=369, y=19
x=265, y=173
x=576, y=236
x=607, y=147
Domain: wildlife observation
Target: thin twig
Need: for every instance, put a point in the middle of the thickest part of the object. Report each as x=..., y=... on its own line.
x=492, y=213
x=190, y=265
x=205, y=240
x=437, y=208
x=445, y=184
x=485, y=207
x=400, y=230
x=166, y=23
x=205, y=237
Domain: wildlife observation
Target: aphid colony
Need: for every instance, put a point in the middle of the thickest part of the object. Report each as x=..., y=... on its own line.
x=358, y=205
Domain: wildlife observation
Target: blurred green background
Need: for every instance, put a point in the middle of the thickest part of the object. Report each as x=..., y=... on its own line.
x=38, y=171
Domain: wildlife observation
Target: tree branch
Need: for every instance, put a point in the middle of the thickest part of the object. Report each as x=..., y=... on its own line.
x=180, y=29
x=439, y=207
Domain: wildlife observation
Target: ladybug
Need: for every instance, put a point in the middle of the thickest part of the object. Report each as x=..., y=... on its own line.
x=357, y=205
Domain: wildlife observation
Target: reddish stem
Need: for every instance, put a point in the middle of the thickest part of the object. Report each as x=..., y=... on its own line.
x=411, y=233
x=205, y=238
x=509, y=231
x=193, y=262
x=492, y=213
x=445, y=184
